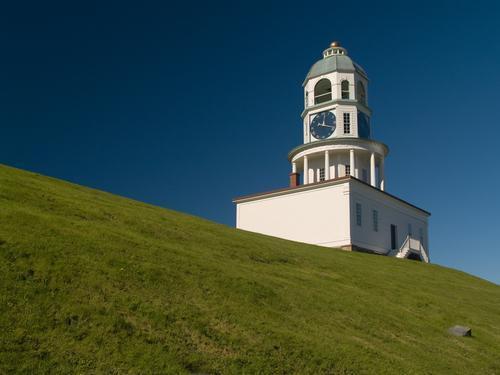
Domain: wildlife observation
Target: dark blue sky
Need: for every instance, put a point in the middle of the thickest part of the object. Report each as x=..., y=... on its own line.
x=187, y=105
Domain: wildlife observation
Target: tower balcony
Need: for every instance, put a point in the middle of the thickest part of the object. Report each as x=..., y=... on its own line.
x=333, y=158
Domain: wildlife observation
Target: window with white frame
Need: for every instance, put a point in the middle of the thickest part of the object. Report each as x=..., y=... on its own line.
x=358, y=214
x=375, y=220
x=347, y=123
x=322, y=174
x=347, y=169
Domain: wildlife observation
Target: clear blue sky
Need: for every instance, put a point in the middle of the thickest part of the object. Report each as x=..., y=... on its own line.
x=187, y=105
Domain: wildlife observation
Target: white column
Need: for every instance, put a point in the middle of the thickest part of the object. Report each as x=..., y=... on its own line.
x=372, y=170
x=381, y=173
x=327, y=165
x=352, y=162
x=306, y=170
x=294, y=167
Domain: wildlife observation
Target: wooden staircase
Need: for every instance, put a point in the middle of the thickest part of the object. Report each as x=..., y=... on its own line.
x=411, y=246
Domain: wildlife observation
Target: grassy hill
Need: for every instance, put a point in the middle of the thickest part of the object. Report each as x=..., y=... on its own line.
x=92, y=282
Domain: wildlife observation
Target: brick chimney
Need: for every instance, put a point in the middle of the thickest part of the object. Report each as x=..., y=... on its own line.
x=294, y=179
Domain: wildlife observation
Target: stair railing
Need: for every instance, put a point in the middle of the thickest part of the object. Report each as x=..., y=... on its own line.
x=408, y=245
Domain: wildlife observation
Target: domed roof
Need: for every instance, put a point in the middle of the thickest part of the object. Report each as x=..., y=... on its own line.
x=334, y=59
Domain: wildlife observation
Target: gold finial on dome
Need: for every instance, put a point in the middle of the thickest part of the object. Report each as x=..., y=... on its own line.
x=334, y=50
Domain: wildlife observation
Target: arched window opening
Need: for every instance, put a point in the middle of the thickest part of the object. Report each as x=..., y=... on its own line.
x=322, y=91
x=361, y=93
x=344, y=86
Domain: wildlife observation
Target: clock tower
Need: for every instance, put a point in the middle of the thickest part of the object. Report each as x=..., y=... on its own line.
x=336, y=87
x=336, y=121
x=337, y=196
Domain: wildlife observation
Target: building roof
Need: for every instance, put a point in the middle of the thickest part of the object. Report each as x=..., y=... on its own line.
x=333, y=181
x=334, y=59
x=334, y=63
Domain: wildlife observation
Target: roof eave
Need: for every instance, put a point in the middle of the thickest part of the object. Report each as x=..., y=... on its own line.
x=335, y=140
x=336, y=101
x=334, y=181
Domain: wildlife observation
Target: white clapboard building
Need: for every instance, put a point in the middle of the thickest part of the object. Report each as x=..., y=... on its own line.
x=337, y=196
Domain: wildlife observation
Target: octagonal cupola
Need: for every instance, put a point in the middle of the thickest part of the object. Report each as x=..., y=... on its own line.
x=336, y=88
x=337, y=64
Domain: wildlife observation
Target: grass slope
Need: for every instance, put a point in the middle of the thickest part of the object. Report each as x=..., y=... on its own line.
x=92, y=282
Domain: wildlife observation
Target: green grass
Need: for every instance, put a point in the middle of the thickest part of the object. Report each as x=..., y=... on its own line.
x=95, y=283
